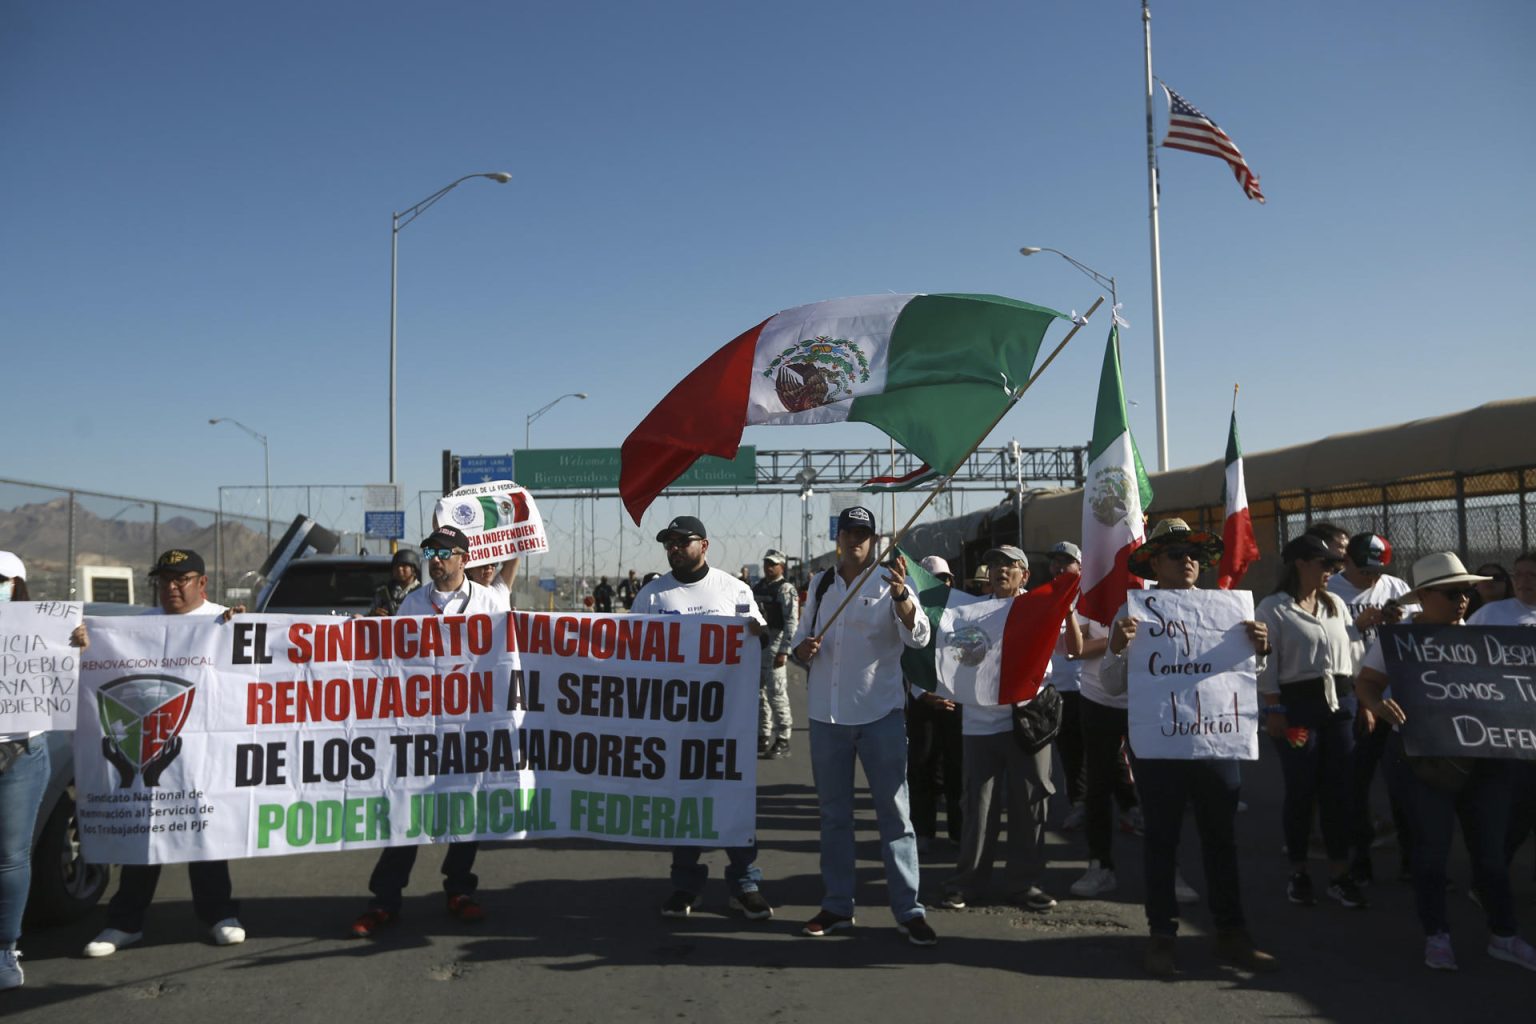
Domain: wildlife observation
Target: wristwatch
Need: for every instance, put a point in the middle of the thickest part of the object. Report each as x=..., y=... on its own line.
x=903, y=597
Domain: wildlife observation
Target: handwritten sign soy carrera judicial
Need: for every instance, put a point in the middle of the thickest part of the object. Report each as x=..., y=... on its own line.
x=39, y=671
x=1192, y=676
x=1467, y=691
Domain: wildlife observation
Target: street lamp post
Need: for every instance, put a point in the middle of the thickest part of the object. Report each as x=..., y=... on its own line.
x=398, y=221
x=528, y=426
x=1109, y=282
x=266, y=459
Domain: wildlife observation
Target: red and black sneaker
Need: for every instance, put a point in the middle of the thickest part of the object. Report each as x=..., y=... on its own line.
x=465, y=909
x=372, y=921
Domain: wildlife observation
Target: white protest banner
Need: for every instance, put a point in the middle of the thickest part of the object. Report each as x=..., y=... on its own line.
x=274, y=734
x=39, y=671
x=1192, y=675
x=499, y=518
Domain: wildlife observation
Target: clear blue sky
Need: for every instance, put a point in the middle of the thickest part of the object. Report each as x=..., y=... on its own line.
x=198, y=201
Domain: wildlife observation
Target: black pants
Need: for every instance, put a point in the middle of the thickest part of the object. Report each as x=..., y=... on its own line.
x=136, y=890
x=934, y=767
x=393, y=873
x=1103, y=730
x=1070, y=743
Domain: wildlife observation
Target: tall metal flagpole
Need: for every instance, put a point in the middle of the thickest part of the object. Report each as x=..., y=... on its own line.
x=1157, y=256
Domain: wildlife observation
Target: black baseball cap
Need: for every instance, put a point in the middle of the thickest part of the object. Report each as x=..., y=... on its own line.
x=856, y=516
x=178, y=561
x=450, y=537
x=688, y=526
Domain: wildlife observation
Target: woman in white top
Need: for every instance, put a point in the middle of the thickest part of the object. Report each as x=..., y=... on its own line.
x=1312, y=729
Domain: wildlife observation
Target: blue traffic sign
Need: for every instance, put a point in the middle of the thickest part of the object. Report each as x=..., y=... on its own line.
x=385, y=525
x=479, y=469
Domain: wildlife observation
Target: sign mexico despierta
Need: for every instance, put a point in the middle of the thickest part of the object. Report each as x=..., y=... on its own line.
x=1467, y=691
x=274, y=734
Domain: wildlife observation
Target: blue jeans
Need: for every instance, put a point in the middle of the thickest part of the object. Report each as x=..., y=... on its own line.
x=689, y=873
x=1165, y=787
x=21, y=794
x=881, y=747
x=1319, y=775
x=392, y=873
x=1483, y=807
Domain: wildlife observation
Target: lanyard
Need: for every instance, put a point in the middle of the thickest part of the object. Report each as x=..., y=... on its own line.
x=439, y=608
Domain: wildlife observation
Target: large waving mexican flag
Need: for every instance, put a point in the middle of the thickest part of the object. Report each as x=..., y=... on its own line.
x=932, y=371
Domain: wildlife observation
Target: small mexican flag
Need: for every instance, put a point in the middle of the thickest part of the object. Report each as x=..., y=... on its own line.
x=984, y=650
x=932, y=371
x=1239, y=548
x=906, y=482
x=1116, y=494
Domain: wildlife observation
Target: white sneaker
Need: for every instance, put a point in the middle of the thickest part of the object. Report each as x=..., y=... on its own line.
x=228, y=932
x=110, y=941
x=1096, y=881
x=11, y=974
x=1509, y=948
x=1182, y=891
x=1075, y=819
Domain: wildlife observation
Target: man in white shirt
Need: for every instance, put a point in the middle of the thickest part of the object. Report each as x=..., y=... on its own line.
x=856, y=703
x=496, y=577
x=693, y=588
x=1519, y=610
x=181, y=585
x=450, y=592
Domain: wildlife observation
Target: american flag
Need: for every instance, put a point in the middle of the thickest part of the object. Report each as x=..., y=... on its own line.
x=1189, y=129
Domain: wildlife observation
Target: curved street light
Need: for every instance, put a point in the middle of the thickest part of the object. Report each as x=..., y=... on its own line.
x=266, y=458
x=398, y=221
x=528, y=427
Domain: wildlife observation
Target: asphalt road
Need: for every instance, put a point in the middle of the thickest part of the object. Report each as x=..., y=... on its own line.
x=573, y=934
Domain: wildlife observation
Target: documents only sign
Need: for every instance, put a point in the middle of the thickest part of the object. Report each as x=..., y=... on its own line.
x=1466, y=691
x=206, y=740
x=556, y=469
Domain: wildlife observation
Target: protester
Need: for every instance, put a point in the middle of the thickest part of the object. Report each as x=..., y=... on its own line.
x=181, y=585
x=602, y=596
x=1174, y=555
x=1308, y=668
x=779, y=602
x=996, y=767
x=24, y=772
x=1479, y=795
x=1497, y=587
x=404, y=577
x=452, y=593
x=629, y=586
x=1519, y=609
x=1066, y=675
x=856, y=697
x=934, y=751
x=1373, y=597
x=693, y=588
x=1107, y=770
x=493, y=576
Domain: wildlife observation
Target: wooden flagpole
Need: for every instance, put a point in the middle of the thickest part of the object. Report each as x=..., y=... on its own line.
x=947, y=478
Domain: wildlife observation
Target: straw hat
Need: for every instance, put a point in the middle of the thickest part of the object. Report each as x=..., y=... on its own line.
x=1440, y=570
x=1168, y=532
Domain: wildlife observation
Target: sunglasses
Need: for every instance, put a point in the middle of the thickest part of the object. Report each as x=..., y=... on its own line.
x=441, y=554
x=1184, y=551
x=1454, y=593
x=675, y=541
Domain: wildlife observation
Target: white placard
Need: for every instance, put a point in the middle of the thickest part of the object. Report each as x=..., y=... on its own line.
x=39, y=671
x=500, y=519
x=1192, y=675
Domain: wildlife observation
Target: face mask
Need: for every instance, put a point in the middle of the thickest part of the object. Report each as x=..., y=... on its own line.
x=5, y=590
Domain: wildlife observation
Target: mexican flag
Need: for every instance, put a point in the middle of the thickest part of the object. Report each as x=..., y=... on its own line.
x=1239, y=549
x=932, y=371
x=1115, y=496
x=984, y=650
x=908, y=481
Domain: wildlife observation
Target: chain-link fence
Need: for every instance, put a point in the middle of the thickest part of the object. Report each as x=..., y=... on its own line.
x=1483, y=517
x=88, y=546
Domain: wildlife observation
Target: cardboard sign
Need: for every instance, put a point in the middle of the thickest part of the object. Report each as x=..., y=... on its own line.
x=39, y=671
x=1192, y=675
x=1467, y=691
x=274, y=734
x=500, y=519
